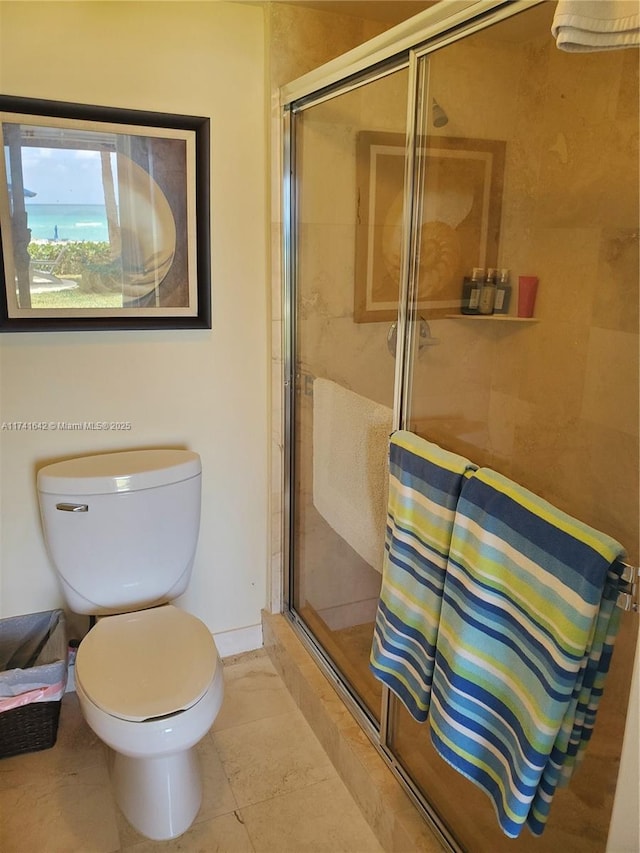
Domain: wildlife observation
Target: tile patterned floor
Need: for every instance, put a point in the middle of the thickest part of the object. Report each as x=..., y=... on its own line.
x=268, y=785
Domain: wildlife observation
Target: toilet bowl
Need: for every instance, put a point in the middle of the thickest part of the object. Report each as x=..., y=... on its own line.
x=121, y=530
x=150, y=686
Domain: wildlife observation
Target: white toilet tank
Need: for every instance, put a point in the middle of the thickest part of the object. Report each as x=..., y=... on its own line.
x=122, y=528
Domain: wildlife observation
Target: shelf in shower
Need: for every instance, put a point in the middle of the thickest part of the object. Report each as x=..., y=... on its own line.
x=495, y=318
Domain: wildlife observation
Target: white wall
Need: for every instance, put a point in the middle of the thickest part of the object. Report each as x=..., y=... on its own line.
x=205, y=390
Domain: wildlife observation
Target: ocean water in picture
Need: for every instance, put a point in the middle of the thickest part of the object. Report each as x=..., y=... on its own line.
x=68, y=222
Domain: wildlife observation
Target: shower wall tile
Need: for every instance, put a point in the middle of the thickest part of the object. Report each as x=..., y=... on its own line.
x=328, y=189
x=574, y=469
x=549, y=459
x=276, y=533
x=302, y=39
x=502, y=419
x=275, y=162
x=566, y=262
x=553, y=368
x=615, y=500
x=517, y=250
x=616, y=296
x=611, y=384
x=493, y=67
x=627, y=96
x=387, y=111
x=276, y=589
x=276, y=273
x=588, y=87
x=355, y=356
x=458, y=360
x=327, y=263
x=508, y=358
x=277, y=356
x=578, y=185
x=584, y=190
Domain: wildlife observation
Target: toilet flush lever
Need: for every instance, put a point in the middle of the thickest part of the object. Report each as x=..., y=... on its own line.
x=73, y=507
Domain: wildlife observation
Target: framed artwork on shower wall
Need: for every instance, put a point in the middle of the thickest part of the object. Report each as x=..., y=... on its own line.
x=104, y=218
x=461, y=206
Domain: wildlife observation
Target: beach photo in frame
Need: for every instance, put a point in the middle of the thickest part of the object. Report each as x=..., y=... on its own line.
x=104, y=218
x=461, y=206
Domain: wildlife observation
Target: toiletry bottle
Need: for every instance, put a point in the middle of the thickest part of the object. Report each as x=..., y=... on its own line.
x=471, y=291
x=466, y=295
x=503, y=293
x=474, y=284
x=488, y=293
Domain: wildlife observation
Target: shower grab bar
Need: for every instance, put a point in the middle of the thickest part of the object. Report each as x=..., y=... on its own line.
x=628, y=596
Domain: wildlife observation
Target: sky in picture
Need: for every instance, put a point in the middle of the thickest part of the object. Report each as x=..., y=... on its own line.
x=62, y=175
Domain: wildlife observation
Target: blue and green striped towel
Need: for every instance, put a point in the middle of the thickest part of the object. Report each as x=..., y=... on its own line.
x=525, y=635
x=579, y=720
x=424, y=486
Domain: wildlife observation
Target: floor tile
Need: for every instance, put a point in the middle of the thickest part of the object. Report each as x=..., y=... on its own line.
x=76, y=747
x=73, y=813
x=225, y=834
x=268, y=786
x=217, y=796
x=253, y=690
x=268, y=757
x=321, y=818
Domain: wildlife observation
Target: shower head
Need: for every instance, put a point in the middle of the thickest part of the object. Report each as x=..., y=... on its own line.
x=440, y=118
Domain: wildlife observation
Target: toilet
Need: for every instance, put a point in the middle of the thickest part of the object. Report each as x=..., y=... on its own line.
x=121, y=530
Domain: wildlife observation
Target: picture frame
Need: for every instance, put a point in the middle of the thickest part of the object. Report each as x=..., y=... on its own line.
x=104, y=218
x=461, y=208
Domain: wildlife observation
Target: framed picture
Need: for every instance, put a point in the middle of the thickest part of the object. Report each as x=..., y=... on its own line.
x=104, y=218
x=460, y=221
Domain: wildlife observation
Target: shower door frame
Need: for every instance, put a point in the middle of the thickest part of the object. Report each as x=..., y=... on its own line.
x=405, y=46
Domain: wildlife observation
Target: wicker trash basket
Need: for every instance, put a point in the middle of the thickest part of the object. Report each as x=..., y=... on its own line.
x=33, y=677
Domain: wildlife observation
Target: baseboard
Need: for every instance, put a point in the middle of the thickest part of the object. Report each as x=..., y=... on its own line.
x=238, y=640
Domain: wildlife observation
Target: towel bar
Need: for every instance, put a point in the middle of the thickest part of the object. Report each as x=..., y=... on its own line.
x=628, y=595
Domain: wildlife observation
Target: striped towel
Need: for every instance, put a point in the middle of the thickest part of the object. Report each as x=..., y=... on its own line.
x=424, y=486
x=579, y=720
x=525, y=636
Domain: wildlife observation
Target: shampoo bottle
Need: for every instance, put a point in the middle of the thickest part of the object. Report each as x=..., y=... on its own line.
x=471, y=288
x=488, y=293
x=503, y=293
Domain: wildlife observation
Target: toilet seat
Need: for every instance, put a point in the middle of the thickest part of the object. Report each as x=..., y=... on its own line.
x=148, y=664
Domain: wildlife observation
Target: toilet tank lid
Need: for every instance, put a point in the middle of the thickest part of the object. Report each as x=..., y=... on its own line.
x=124, y=471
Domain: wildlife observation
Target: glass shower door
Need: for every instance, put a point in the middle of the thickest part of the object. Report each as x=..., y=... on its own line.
x=349, y=156
x=535, y=172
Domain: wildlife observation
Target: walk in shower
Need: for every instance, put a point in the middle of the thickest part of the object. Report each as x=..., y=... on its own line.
x=482, y=146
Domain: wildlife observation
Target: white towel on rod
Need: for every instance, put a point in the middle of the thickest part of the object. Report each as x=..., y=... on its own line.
x=350, y=466
x=591, y=25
